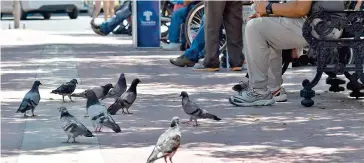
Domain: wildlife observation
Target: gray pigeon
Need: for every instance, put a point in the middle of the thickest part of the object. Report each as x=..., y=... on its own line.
x=72, y=127
x=118, y=90
x=66, y=89
x=30, y=100
x=126, y=99
x=192, y=109
x=167, y=143
x=98, y=113
x=100, y=91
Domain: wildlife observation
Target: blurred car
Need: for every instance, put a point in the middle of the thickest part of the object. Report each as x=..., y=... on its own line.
x=91, y=5
x=45, y=8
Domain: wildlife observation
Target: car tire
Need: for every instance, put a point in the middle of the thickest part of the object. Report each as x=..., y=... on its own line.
x=23, y=15
x=46, y=15
x=73, y=14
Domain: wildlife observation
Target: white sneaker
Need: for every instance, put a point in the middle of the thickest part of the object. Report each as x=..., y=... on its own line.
x=252, y=97
x=279, y=94
x=171, y=46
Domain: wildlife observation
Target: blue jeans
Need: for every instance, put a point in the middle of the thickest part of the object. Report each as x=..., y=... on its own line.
x=123, y=13
x=196, y=51
x=178, y=17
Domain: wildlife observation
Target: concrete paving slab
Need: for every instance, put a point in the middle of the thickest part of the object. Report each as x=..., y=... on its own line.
x=330, y=131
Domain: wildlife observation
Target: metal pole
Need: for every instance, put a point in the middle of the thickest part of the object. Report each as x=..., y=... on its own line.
x=16, y=13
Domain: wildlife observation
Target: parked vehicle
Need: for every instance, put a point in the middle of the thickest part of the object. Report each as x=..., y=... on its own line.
x=45, y=8
x=91, y=6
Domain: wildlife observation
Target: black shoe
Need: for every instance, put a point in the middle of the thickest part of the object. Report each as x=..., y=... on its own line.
x=97, y=30
x=121, y=30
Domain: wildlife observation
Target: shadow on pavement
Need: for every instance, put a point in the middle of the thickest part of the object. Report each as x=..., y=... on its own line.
x=330, y=131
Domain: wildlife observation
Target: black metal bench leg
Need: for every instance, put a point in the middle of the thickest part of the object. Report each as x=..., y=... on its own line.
x=335, y=82
x=307, y=93
x=354, y=85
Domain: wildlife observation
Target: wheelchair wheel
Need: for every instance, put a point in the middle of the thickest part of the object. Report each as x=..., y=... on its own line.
x=193, y=21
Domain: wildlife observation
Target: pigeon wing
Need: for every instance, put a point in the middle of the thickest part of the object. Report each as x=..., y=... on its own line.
x=109, y=122
x=128, y=98
x=190, y=107
x=66, y=88
x=167, y=143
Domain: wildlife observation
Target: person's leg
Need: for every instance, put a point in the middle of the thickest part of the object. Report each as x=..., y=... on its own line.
x=191, y=55
x=264, y=37
x=97, y=9
x=106, y=6
x=174, y=31
x=214, y=16
x=197, y=45
x=108, y=26
x=112, y=8
x=233, y=24
x=176, y=21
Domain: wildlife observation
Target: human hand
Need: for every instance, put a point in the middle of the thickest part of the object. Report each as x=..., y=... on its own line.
x=260, y=7
x=252, y=17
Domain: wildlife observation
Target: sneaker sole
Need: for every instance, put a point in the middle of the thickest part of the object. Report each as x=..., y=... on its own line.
x=236, y=69
x=98, y=32
x=186, y=65
x=281, y=98
x=208, y=69
x=256, y=103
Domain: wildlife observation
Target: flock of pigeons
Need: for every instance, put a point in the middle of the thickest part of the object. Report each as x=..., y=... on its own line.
x=100, y=116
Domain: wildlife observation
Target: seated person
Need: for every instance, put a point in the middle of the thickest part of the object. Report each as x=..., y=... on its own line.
x=274, y=27
x=108, y=26
x=195, y=52
x=178, y=18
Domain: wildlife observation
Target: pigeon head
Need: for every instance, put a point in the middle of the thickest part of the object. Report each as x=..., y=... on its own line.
x=122, y=76
x=36, y=85
x=74, y=81
x=184, y=94
x=136, y=81
x=62, y=109
x=90, y=94
x=175, y=121
x=91, y=98
x=108, y=86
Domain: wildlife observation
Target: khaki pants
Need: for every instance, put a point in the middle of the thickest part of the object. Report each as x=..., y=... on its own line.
x=265, y=38
x=229, y=12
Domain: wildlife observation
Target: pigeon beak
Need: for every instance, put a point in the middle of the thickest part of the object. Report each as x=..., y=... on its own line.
x=40, y=83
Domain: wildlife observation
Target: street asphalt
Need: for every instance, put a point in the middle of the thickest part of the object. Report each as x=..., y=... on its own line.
x=58, y=50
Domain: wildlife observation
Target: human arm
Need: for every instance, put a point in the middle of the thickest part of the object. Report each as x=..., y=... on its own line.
x=186, y=2
x=358, y=4
x=292, y=9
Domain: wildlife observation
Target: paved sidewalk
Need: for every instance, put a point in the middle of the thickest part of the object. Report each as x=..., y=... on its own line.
x=330, y=131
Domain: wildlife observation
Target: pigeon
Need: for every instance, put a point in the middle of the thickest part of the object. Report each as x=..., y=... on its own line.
x=30, y=100
x=72, y=127
x=98, y=113
x=66, y=89
x=192, y=109
x=100, y=91
x=126, y=99
x=118, y=90
x=167, y=143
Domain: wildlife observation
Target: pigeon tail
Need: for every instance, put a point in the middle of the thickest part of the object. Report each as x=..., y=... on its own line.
x=82, y=94
x=89, y=134
x=116, y=129
x=113, y=109
x=153, y=156
x=211, y=116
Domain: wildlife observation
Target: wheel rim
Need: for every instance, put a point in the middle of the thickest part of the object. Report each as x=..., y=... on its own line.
x=194, y=24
